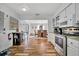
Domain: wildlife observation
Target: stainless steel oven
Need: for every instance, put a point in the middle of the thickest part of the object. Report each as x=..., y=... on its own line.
x=59, y=41
x=61, y=44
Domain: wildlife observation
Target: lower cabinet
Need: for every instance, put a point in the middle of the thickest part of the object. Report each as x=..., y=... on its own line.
x=72, y=47
x=72, y=51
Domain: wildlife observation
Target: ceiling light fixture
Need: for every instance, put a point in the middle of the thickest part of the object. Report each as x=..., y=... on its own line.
x=37, y=14
x=24, y=9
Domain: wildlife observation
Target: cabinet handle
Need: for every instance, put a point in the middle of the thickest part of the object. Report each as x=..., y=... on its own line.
x=71, y=42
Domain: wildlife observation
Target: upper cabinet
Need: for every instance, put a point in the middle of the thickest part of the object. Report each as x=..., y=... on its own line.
x=6, y=23
x=70, y=11
x=13, y=23
x=62, y=14
x=69, y=16
x=50, y=24
x=57, y=20
x=53, y=22
x=1, y=21
x=77, y=12
x=62, y=18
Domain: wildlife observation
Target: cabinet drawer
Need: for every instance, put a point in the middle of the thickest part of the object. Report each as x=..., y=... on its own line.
x=72, y=42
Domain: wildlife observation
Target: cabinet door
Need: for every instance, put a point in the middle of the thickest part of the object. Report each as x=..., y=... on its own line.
x=72, y=51
x=77, y=12
x=62, y=15
x=6, y=23
x=72, y=47
x=50, y=25
x=53, y=22
x=70, y=11
x=1, y=21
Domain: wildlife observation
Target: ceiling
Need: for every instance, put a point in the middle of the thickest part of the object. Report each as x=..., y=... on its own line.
x=36, y=10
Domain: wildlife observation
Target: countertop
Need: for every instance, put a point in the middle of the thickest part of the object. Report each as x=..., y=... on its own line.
x=74, y=37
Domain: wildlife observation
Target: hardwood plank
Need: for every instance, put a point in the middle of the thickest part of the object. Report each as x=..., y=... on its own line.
x=36, y=47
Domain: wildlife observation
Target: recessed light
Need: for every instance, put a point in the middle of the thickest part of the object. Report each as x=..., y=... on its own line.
x=24, y=9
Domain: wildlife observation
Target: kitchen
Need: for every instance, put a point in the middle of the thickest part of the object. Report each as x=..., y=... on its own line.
x=66, y=29
x=58, y=22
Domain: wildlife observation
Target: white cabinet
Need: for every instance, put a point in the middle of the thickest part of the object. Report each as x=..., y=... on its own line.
x=51, y=38
x=77, y=12
x=1, y=21
x=50, y=25
x=6, y=23
x=4, y=30
x=72, y=47
x=62, y=18
x=71, y=15
x=62, y=15
x=67, y=17
x=72, y=51
x=70, y=11
x=53, y=22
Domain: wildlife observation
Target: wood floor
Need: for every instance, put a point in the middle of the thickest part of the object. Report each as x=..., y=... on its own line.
x=35, y=47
